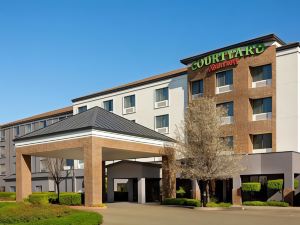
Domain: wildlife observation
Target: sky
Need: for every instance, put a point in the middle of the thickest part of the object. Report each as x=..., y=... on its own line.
x=53, y=51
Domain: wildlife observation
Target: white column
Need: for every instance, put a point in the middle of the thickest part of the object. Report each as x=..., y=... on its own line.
x=141, y=190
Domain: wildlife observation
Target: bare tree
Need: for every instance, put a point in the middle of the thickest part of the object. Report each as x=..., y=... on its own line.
x=56, y=171
x=205, y=155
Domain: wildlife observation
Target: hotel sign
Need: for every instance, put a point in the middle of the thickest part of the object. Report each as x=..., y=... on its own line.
x=227, y=58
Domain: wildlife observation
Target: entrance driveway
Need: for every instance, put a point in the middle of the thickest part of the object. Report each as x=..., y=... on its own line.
x=134, y=214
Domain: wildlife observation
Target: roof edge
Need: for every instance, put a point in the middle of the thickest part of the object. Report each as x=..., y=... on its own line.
x=148, y=80
x=188, y=60
x=288, y=46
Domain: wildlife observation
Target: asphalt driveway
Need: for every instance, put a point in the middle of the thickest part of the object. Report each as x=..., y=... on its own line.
x=134, y=214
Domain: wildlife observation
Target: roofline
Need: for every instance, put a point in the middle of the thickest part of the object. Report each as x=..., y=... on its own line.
x=288, y=46
x=271, y=37
x=46, y=115
x=134, y=162
x=148, y=80
x=23, y=138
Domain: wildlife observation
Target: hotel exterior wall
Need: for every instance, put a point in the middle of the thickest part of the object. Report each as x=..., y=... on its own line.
x=288, y=100
x=242, y=92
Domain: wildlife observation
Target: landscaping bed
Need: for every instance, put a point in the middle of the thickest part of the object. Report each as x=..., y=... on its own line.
x=7, y=196
x=182, y=202
x=269, y=203
x=45, y=214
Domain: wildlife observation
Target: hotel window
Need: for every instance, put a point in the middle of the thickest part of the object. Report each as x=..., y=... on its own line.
x=28, y=128
x=14, y=168
x=262, y=141
x=229, y=141
x=162, y=123
x=2, y=169
x=43, y=165
x=129, y=104
x=224, y=81
x=61, y=118
x=38, y=188
x=161, y=97
x=261, y=75
x=197, y=88
x=17, y=131
x=262, y=109
x=2, y=135
x=2, y=152
x=228, y=118
x=43, y=124
x=108, y=105
x=82, y=109
x=12, y=189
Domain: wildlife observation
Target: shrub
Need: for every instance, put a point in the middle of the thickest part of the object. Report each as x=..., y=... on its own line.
x=180, y=192
x=296, y=184
x=41, y=199
x=7, y=196
x=70, y=199
x=251, y=186
x=275, y=184
x=182, y=201
x=221, y=204
x=270, y=203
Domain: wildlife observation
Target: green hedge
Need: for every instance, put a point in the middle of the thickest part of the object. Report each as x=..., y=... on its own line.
x=296, y=184
x=275, y=184
x=7, y=196
x=70, y=199
x=270, y=203
x=38, y=199
x=251, y=186
x=221, y=204
x=182, y=201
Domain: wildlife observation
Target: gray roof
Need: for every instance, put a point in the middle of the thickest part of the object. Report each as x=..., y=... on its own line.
x=98, y=119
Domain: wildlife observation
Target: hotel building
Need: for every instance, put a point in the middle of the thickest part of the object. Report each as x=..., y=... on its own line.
x=256, y=80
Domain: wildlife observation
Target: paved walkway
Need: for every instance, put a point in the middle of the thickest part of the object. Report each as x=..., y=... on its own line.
x=134, y=214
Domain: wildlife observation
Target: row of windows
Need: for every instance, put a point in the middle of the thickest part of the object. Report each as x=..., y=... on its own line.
x=225, y=78
x=129, y=102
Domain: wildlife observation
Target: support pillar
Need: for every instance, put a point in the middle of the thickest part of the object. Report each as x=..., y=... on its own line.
x=23, y=176
x=93, y=174
x=236, y=191
x=288, y=191
x=196, y=190
x=142, y=190
x=168, y=177
x=104, y=180
x=110, y=189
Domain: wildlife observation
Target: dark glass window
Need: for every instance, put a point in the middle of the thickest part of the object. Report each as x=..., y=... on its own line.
x=108, y=105
x=43, y=123
x=262, y=105
x=228, y=106
x=129, y=101
x=261, y=72
x=224, y=78
x=82, y=109
x=162, y=121
x=261, y=141
x=162, y=94
x=197, y=87
x=17, y=131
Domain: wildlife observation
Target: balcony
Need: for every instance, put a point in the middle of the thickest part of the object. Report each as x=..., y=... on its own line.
x=262, y=83
x=262, y=116
x=224, y=89
x=226, y=120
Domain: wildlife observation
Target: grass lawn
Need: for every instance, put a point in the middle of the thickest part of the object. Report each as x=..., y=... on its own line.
x=26, y=213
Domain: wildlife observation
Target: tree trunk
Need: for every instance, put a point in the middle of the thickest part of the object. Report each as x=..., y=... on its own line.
x=203, y=189
x=58, y=192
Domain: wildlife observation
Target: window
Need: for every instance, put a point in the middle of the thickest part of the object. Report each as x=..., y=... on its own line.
x=162, y=94
x=262, y=141
x=108, y=105
x=2, y=169
x=61, y=118
x=129, y=101
x=262, y=105
x=12, y=189
x=2, y=152
x=197, y=87
x=224, y=78
x=17, y=131
x=14, y=168
x=2, y=135
x=229, y=141
x=82, y=109
x=80, y=164
x=43, y=124
x=162, y=121
x=261, y=73
x=38, y=188
x=228, y=107
x=43, y=165
x=28, y=128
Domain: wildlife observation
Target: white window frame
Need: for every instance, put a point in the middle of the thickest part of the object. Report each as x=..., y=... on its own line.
x=159, y=130
x=108, y=101
x=164, y=103
x=133, y=108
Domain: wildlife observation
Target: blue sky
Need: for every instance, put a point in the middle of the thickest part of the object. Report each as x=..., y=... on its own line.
x=56, y=50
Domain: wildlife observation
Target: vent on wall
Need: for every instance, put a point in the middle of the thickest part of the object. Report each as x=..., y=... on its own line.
x=223, y=89
x=161, y=104
x=262, y=116
x=262, y=83
x=195, y=96
x=162, y=130
x=129, y=110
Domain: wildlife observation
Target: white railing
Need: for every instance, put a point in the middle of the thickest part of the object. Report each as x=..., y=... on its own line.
x=262, y=116
x=262, y=83
x=223, y=89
